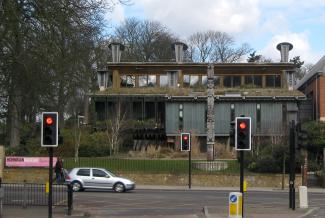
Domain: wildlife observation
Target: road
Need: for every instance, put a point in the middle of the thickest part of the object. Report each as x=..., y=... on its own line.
x=178, y=202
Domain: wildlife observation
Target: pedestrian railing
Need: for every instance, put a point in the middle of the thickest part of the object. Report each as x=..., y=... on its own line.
x=31, y=194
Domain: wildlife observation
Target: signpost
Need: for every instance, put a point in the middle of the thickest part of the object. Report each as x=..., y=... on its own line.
x=50, y=139
x=243, y=134
x=186, y=146
x=235, y=205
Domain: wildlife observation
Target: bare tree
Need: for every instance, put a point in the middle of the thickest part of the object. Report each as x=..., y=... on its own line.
x=114, y=127
x=216, y=46
x=201, y=46
x=145, y=40
x=223, y=48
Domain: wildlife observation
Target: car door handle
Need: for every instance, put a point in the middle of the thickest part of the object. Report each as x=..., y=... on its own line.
x=92, y=178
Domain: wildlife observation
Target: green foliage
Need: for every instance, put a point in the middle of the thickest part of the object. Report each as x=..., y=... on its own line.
x=316, y=136
x=94, y=145
x=315, y=143
x=270, y=159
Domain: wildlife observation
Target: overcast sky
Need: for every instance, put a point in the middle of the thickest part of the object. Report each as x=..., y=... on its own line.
x=260, y=23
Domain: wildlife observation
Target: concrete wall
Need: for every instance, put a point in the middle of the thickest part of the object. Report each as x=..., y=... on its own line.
x=38, y=175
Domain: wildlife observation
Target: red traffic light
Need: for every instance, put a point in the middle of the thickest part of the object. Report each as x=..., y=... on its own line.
x=242, y=125
x=49, y=120
x=185, y=137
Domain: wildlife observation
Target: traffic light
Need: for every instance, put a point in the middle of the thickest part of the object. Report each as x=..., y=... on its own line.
x=185, y=141
x=243, y=133
x=49, y=130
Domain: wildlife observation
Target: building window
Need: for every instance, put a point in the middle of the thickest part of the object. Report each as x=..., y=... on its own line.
x=147, y=81
x=273, y=81
x=127, y=81
x=194, y=80
x=186, y=81
x=180, y=117
x=231, y=81
x=232, y=112
x=258, y=116
x=190, y=80
x=163, y=80
x=284, y=113
x=216, y=80
x=204, y=80
x=102, y=79
x=172, y=78
x=253, y=80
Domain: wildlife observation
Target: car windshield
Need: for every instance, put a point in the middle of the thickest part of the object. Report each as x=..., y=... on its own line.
x=111, y=173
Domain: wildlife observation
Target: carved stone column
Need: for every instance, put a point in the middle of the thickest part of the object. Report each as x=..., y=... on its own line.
x=210, y=114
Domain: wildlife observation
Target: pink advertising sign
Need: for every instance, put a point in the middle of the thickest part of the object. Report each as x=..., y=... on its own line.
x=14, y=161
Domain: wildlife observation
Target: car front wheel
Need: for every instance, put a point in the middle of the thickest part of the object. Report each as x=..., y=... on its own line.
x=76, y=186
x=119, y=187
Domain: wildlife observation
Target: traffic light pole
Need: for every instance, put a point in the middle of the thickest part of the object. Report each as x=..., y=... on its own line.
x=241, y=152
x=189, y=168
x=292, y=135
x=50, y=182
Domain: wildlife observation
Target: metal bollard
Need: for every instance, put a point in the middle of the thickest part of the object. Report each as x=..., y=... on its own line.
x=70, y=199
x=303, y=197
x=235, y=205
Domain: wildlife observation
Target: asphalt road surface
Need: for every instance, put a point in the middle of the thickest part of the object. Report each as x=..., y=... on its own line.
x=177, y=202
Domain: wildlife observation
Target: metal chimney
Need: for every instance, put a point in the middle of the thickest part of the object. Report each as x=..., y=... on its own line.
x=179, y=48
x=284, y=48
x=116, y=49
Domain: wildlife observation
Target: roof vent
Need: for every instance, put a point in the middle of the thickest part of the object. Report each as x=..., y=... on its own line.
x=179, y=48
x=284, y=48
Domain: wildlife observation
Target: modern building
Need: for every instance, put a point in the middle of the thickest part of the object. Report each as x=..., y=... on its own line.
x=171, y=97
x=313, y=86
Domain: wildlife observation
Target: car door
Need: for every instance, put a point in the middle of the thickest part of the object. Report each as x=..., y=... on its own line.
x=84, y=175
x=101, y=179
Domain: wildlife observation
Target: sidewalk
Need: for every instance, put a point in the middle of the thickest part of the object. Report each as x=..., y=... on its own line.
x=157, y=187
x=261, y=211
x=39, y=212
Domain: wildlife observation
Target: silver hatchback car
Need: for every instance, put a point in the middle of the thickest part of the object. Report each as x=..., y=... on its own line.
x=97, y=178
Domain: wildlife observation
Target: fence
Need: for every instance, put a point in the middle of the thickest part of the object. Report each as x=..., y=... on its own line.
x=152, y=165
x=28, y=194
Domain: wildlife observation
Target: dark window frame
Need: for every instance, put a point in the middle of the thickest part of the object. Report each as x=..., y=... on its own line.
x=104, y=175
x=83, y=170
x=234, y=80
x=273, y=81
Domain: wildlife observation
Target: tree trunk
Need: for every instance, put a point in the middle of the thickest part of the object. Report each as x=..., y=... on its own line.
x=86, y=109
x=14, y=119
x=61, y=104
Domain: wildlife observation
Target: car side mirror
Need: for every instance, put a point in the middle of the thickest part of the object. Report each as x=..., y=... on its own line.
x=107, y=176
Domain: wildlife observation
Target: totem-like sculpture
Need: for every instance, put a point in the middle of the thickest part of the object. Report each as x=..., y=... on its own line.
x=210, y=114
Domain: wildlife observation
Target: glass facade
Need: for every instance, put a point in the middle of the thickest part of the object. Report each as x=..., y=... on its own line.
x=163, y=80
x=147, y=80
x=231, y=81
x=190, y=80
x=127, y=81
x=273, y=81
x=253, y=80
